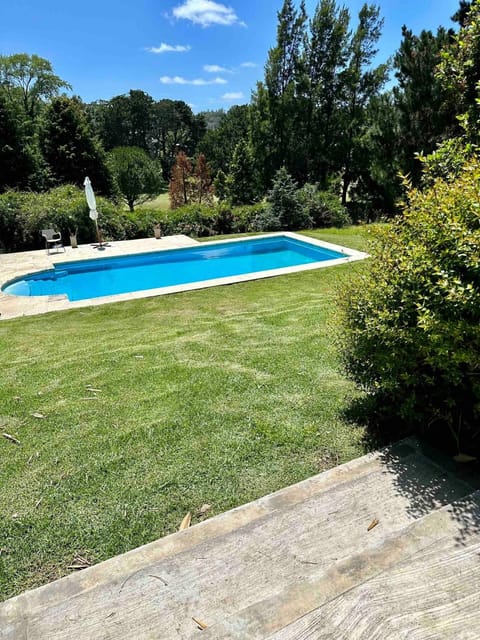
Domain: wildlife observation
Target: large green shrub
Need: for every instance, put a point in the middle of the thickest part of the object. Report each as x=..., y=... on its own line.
x=246, y=217
x=13, y=236
x=412, y=321
x=322, y=207
x=24, y=214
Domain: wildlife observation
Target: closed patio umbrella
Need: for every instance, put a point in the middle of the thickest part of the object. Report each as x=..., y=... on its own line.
x=92, y=203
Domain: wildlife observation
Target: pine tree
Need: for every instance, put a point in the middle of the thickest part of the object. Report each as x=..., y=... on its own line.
x=361, y=83
x=425, y=115
x=325, y=58
x=286, y=205
x=70, y=148
x=283, y=73
x=459, y=73
x=220, y=185
x=242, y=180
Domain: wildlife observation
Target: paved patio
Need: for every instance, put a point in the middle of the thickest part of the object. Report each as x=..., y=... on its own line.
x=14, y=265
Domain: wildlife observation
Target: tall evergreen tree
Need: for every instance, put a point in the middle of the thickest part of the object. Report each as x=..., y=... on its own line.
x=361, y=83
x=242, y=180
x=461, y=15
x=426, y=116
x=378, y=185
x=174, y=126
x=325, y=57
x=126, y=120
x=283, y=72
x=70, y=147
x=219, y=143
x=16, y=161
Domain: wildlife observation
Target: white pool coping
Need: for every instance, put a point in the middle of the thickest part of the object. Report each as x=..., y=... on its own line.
x=18, y=265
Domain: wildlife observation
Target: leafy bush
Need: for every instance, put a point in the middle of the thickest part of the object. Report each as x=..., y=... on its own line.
x=245, y=217
x=199, y=220
x=447, y=161
x=322, y=207
x=412, y=322
x=12, y=232
x=24, y=214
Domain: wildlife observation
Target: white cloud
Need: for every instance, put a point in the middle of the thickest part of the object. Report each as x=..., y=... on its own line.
x=249, y=65
x=163, y=48
x=233, y=95
x=198, y=82
x=215, y=68
x=206, y=13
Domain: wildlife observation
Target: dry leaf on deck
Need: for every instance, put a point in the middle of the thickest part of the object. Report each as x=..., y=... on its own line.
x=373, y=524
x=201, y=625
x=464, y=457
x=11, y=438
x=186, y=522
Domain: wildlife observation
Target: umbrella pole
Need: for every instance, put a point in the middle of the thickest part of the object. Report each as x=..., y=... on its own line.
x=98, y=234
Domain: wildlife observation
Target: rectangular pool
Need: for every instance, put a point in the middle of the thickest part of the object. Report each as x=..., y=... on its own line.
x=256, y=257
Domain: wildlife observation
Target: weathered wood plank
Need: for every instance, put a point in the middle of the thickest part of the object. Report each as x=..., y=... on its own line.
x=433, y=595
x=228, y=564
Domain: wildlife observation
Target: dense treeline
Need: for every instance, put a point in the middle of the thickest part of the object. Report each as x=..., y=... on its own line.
x=322, y=113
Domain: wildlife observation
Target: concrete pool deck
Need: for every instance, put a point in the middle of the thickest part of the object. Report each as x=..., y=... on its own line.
x=16, y=265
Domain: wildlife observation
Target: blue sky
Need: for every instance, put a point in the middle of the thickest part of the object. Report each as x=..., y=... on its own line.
x=209, y=54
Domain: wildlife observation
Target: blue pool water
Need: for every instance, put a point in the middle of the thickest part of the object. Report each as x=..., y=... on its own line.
x=111, y=276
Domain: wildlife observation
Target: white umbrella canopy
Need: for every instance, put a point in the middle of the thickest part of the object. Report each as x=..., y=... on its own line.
x=92, y=204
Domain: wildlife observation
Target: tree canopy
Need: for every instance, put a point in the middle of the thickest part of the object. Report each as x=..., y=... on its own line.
x=28, y=80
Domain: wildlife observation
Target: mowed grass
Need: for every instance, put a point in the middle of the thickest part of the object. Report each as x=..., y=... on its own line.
x=162, y=202
x=217, y=396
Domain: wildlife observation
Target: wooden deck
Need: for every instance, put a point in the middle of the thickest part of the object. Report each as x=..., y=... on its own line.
x=301, y=563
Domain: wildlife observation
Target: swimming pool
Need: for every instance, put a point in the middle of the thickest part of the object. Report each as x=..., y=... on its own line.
x=209, y=263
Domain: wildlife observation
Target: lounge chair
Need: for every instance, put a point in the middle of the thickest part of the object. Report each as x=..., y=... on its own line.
x=53, y=239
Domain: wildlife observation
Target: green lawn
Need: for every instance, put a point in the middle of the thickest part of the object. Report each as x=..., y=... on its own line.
x=217, y=396
x=160, y=202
